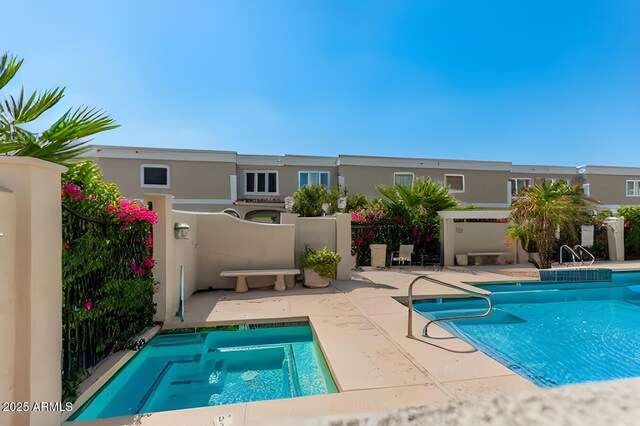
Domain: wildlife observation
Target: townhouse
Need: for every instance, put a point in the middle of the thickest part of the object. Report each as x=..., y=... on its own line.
x=254, y=186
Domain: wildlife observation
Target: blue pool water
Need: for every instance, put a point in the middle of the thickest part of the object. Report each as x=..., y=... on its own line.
x=554, y=333
x=217, y=366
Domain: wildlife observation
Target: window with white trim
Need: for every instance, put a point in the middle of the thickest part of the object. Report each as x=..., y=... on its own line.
x=518, y=184
x=633, y=188
x=586, y=189
x=261, y=182
x=154, y=176
x=455, y=183
x=313, y=178
x=403, y=178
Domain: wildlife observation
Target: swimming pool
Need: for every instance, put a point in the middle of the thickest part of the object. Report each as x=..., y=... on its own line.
x=553, y=333
x=188, y=368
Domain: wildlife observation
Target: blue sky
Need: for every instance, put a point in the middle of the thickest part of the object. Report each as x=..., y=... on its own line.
x=551, y=82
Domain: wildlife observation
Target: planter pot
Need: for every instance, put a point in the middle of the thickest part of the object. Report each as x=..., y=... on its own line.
x=378, y=255
x=313, y=280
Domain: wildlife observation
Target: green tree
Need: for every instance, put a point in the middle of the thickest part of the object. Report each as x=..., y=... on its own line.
x=418, y=202
x=540, y=210
x=63, y=140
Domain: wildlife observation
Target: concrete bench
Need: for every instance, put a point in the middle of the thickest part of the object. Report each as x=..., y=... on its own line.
x=488, y=255
x=284, y=277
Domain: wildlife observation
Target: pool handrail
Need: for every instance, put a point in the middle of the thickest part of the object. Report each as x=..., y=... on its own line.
x=593, y=258
x=574, y=255
x=465, y=288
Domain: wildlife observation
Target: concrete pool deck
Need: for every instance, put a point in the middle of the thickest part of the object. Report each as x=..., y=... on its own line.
x=361, y=329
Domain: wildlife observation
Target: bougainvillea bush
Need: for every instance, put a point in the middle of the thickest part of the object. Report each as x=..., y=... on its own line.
x=376, y=225
x=106, y=265
x=631, y=215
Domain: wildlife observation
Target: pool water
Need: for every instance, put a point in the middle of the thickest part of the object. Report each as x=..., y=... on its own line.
x=224, y=365
x=554, y=333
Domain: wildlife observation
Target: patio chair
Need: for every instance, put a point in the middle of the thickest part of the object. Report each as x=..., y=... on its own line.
x=402, y=256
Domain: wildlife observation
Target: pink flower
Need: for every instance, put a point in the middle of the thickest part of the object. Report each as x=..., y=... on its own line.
x=355, y=217
x=148, y=263
x=134, y=265
x=66, y=246
x=398, y=220
x=358, y=241
x=371, y=234
x=124, y=228
x=428, y=238
x=111, y=208
x=627, y=224
x=150, y=240
x=88, y=304
x=139, y=271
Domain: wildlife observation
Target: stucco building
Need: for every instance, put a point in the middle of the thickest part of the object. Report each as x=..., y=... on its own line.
x=255, y=185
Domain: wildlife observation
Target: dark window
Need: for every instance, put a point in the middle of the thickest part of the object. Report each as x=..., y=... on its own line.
x=250, y=186
x=272, y=183
x=156, y=176
x=261, y=187
x=261, y=182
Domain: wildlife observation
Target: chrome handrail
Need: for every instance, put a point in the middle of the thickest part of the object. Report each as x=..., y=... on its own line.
x=480, y=293
x=574, y=255
x=579, y=247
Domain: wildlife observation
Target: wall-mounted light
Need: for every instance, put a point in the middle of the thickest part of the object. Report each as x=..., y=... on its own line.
x=181, y=231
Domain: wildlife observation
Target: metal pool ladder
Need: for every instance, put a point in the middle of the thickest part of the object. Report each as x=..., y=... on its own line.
x=575, y=255
x=470, y=290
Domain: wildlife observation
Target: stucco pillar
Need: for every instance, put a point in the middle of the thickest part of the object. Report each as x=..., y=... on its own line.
x=33, y=347
x=164, y=271
x=615, y=238
x=343, y=245
x=448, y=237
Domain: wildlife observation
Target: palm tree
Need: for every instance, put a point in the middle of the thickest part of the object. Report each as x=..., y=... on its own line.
x=418, y=201
x=540, y=210
x=63, y=140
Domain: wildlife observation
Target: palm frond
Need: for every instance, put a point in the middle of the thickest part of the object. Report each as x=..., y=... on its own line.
x=9, y=66
x=25, y=112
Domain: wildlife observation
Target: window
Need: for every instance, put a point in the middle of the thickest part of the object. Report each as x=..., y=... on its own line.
x=260, y=182
x=586, y=190
x=313, y=178
x=633, y=188
x=455, y=183
x=263, y=216
x=154, y=176
x=405, y=179
x=518, y=184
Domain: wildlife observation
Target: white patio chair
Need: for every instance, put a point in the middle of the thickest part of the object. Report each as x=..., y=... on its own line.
x=402, y=256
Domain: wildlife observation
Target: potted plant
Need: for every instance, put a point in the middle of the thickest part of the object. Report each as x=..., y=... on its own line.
x=320, y=267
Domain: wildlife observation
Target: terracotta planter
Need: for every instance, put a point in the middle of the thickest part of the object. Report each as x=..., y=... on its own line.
x=313, y=280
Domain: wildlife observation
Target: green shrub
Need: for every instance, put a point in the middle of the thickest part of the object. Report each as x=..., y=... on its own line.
x=107, y=262
x=308, y=200
x=324, y=262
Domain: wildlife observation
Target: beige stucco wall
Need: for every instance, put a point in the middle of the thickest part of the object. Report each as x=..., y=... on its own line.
x=481, y=186
x=485, y=237
x=31, y=326
x=228, y=243
x=8, y=327
x=188, y=179
x=287, y=178
x=611, y=189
